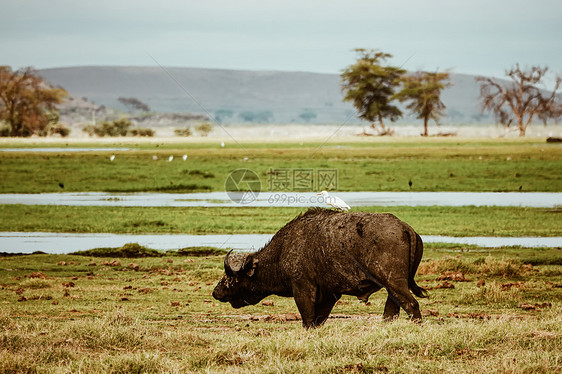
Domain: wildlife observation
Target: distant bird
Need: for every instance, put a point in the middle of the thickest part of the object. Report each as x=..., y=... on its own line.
x=170, y=158
x=184, y=157
x=410, y=183
x=222, y=144
x=155, y=157
x=61, y=185
x=112, y=157
x=334, y=201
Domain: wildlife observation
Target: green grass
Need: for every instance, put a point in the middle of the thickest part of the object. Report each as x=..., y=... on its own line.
x=114, y=314
x=461, y=165
x=135, y=250
x=156, y=315
x=454, y=221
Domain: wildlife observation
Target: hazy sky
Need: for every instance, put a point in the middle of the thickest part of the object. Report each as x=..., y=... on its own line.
x=477, y=36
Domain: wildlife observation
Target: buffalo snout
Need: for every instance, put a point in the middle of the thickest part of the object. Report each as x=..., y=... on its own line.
x=219, y=293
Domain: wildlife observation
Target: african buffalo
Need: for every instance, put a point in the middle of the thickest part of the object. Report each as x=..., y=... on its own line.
x=323, y=254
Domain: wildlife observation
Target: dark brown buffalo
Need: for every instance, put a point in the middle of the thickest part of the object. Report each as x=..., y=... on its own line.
x=323, y=254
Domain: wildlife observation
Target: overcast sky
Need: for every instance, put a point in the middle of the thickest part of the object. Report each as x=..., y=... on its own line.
x=477, y=36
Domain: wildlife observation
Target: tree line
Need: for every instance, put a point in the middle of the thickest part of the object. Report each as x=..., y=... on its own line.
x=373, y=86
x=28, y=104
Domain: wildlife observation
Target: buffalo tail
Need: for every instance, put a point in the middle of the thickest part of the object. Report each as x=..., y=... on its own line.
x=416, y=252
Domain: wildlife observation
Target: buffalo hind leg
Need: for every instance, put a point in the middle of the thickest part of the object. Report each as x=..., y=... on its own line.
x=407, y=302
x=391, y=309
x=324, y=307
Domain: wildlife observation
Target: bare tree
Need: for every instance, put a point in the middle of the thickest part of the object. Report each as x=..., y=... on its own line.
x=423, y=90
x=27, y=102
x=518, y=101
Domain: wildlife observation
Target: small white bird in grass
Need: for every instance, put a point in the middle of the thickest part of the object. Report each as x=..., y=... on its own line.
x=170, y=158
x=112, y=157
x=184, y=157
x=155, y=158
x=334, y=201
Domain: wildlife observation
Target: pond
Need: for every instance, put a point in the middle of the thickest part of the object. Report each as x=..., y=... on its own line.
x=28, y=242
x=289, y=199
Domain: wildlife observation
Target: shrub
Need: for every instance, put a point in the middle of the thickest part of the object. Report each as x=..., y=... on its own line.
x=183, y=132
x=140, y=131
x=204, y=129
x=5, y=130
x=492, y=293
x=504, y=268
x=118, y=127
x=59, y=129
x=446, y=264
x=129, y=250
x=199, y=251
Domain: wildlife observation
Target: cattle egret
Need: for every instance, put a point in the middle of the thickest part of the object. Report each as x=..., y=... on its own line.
x=222, y=144
x=155, y=157
x=170, y=158
x=334, y=201
x=184, y=157
x=112, y=157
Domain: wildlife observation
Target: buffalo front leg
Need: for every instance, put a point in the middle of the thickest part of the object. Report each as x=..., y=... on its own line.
x=391, y=309
x=324, y=307
x=305, y=298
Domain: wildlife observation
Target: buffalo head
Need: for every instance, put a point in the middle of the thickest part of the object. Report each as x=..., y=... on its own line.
x=237, y=286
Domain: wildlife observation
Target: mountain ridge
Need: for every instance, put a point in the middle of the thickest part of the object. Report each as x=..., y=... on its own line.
x=242, y=95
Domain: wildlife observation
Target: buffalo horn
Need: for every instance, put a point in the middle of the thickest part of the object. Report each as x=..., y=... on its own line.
x=233, y=263
x=227, y=268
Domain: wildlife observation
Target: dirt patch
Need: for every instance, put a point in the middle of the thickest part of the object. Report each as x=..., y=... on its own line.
x=38, y=275
x=537, y=306
x=288, y=317
x=445, y=284
x=508, y=286
x=455, y=276
x=483, y=316
x=430, y=312
x=359, y=368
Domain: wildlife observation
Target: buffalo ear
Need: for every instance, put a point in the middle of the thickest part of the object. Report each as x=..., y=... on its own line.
x=250, y=265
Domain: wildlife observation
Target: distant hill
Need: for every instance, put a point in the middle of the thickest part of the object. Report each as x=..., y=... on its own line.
x=240, y=96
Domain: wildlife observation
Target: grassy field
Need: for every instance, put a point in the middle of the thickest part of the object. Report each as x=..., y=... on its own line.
x=452, y=221
x=430, y=165
x=489, y=311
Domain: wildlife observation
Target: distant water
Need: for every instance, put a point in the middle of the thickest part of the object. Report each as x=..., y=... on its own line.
x=28, y=242
x=290, y=199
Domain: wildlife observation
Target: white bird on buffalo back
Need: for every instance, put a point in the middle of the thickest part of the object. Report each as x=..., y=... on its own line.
x=334, y=201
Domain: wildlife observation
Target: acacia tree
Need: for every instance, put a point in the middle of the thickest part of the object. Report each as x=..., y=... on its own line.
x=518, y=101
x=27, y=102
x=370, y=86
x=423, y=90
x=134, y=104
